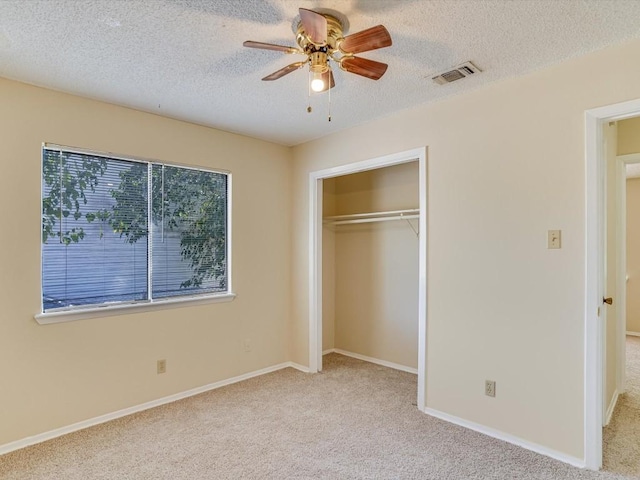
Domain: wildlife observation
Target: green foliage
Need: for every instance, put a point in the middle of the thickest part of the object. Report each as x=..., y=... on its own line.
x=189, y=202
x=194, y=203
x=129, y=217
x=68, y=178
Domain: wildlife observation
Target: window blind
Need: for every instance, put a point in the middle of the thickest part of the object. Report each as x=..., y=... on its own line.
x=189, y=240
x=109, y=225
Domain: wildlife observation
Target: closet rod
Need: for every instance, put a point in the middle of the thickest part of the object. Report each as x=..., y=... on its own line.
x=374, y=219
x=388, y=213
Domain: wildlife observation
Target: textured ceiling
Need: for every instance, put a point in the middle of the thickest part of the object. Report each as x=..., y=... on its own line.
x=185, y=59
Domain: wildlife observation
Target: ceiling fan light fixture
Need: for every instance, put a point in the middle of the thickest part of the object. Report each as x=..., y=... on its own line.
x=317, y=82
x=318, y=66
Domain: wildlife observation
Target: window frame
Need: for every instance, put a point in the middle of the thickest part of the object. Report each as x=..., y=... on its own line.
x=123, y=308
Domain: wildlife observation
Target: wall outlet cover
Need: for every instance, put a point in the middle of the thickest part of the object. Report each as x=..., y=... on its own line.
x=162, y=366
x=490, y=388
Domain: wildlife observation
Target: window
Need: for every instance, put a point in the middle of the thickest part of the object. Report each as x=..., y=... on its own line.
x=118, y=231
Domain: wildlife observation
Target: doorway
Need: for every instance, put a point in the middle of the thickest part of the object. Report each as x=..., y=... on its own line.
x=316, y=180
x=595, y=380
x=617, y=265
x=622, y=392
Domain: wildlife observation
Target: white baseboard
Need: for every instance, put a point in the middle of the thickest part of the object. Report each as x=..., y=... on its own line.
x=377, y=361
x=633, y=334
x=297, y=366
x=534, y=447
x=611, y=408
x=58, y=432
x=331, y=350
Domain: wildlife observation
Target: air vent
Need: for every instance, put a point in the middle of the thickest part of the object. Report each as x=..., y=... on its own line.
x=463, y=70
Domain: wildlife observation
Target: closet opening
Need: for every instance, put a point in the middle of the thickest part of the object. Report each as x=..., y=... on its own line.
x=368, y=263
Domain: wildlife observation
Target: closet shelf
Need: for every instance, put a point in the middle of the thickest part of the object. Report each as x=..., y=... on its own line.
x=373, y=217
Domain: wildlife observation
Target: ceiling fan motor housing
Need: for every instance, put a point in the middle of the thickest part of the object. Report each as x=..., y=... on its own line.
x=334, y=35
x=318, y=62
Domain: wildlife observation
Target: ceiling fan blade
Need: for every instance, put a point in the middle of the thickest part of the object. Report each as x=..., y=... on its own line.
x=362, y=66
x=327, y=78
x=369, y=39
x=270, y=46
x=284, y=71
x=315, y=25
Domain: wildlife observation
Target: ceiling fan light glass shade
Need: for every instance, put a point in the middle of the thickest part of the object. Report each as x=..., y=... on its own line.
x=317, y=82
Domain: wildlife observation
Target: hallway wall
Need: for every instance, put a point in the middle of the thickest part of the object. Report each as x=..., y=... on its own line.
x=633, y=255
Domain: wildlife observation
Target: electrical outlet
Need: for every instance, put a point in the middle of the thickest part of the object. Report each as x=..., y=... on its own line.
x=246, y=345
x=490, y=388
x=162, y=366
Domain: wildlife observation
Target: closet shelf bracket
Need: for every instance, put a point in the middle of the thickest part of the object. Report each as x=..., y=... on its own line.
x=412, y=227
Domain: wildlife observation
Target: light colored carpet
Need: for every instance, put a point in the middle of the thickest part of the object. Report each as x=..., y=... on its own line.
x=354, y=421
x=622, y=435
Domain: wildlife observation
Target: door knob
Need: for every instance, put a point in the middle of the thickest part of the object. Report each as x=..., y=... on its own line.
x=608, y=300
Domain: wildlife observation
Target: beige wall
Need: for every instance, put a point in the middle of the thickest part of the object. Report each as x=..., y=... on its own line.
x=505, y=164
x=375, y=267
x=55, y=375
x=629, y=136
x=633, y=255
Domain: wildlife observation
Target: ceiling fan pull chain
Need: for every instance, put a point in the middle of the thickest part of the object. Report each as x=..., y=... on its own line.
x=329, y=98
x=309, y=93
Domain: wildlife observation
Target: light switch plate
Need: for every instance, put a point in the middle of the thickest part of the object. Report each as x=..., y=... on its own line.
x=554, y=238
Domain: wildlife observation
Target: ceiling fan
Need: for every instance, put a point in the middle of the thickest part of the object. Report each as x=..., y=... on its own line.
x=320, y=37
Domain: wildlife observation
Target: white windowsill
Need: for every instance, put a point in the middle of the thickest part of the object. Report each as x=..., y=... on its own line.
x=111, y=310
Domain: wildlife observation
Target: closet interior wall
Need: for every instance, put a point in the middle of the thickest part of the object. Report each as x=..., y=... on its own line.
x=370, y=270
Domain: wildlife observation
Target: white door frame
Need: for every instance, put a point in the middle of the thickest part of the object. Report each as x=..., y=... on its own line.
x=315, y=254
x=594, y=279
